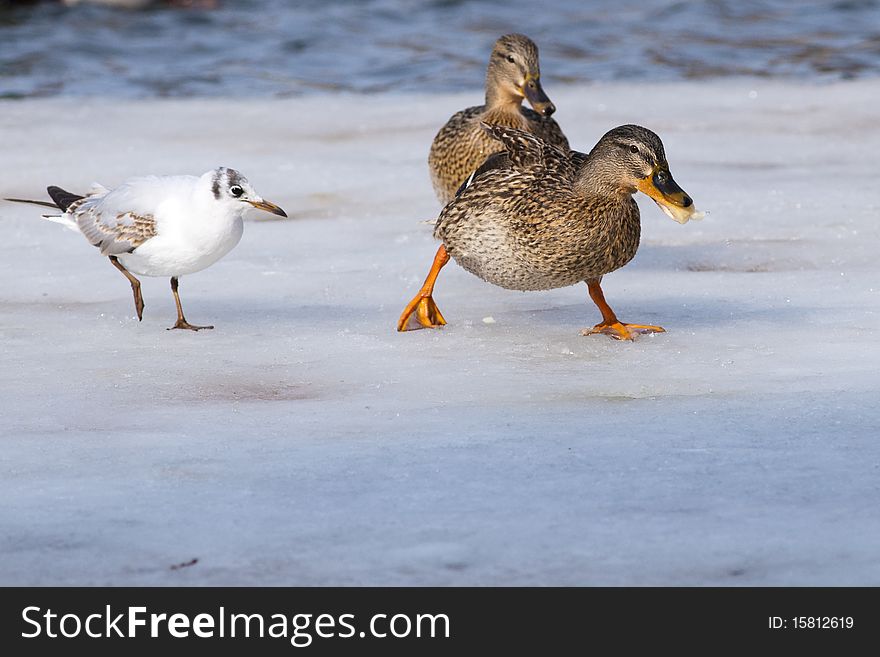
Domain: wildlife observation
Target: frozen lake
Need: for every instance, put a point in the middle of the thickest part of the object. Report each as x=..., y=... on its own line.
x=305, y=442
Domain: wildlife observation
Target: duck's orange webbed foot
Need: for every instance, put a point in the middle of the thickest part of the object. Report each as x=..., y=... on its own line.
x=426, y=313
x=610, y=325
x=422, y=306
x=622, y=331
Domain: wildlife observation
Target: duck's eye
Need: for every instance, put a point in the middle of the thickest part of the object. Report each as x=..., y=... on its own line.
x=511, y=59
x=634, y=149
x=236, y=191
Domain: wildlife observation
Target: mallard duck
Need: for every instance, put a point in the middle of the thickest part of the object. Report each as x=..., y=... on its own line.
x=461, y=145
x=536, y=217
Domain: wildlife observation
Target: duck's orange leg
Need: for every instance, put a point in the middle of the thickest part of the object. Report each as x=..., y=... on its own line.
x=610, y=325
x=426, y=311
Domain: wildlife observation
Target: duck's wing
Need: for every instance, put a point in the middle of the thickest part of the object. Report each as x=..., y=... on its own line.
x=499, y=160
x=525, y=150
x=577, y=158
x=546, y=128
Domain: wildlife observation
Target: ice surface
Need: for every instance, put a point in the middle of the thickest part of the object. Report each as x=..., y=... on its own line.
x=304, y=441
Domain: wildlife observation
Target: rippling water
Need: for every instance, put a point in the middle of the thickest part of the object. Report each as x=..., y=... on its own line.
x=271, y=47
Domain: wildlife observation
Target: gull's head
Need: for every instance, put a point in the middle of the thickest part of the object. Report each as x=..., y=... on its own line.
x=232, y=189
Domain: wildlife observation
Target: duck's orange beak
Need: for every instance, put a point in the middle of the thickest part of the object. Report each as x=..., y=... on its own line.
x=666, y=193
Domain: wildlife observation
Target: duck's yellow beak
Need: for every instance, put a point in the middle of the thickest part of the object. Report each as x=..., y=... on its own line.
x=268, y=207
x=666, y=193
x=534, y=93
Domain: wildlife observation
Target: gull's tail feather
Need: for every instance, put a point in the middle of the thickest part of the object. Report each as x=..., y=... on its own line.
x=64, y=220
x=45, y=204
x=63, y=199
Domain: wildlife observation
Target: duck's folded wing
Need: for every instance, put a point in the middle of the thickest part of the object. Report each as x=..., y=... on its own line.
x=499, y=160
x=578, y=159
x=525, y=150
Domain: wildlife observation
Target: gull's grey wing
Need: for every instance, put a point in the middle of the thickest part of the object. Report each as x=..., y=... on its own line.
x=115, y=233
x=110, y=226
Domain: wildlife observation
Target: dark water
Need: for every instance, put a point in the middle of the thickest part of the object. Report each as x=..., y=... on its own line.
x=275, y=48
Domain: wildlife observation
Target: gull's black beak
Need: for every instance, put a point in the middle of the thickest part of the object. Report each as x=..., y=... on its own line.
x=534, y=93
x=268, y=207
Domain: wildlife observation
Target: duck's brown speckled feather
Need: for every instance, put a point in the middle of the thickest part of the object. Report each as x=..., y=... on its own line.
x=522, y=224
x=462, y=145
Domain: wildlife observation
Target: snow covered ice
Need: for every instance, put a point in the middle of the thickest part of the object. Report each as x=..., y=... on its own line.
x=305, y=442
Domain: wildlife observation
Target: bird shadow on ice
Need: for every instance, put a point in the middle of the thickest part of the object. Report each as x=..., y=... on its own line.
x=740, y=256
x=57, y=307
x=246, y=311
x=682, y=309
x=678, y=312
x=246, y=389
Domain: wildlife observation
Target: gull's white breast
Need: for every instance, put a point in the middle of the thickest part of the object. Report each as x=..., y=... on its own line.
x=193, y=231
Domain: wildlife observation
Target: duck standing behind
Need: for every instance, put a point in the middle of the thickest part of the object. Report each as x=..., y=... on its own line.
x=462, y=145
